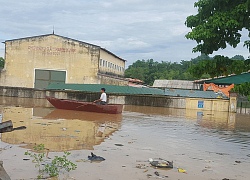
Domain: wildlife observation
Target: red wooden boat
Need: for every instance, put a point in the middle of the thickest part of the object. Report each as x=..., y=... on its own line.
x=85, y=106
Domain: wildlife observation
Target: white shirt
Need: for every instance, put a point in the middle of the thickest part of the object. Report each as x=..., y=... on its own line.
x=103, y=97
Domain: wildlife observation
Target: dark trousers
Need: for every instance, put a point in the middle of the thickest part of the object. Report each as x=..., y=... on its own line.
x=103, y=103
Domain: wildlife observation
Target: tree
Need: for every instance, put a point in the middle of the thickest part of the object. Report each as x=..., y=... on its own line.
x=238, y=57
x=219, y=66
x=243, y=89
x=218, y=23
x=202, y=66
x=150, y=70
x=2, y=62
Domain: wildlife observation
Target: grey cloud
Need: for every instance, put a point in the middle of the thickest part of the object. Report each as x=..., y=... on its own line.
x=132, y=29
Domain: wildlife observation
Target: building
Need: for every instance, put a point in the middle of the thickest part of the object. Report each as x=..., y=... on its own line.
x=175, y=84
x=36, y=62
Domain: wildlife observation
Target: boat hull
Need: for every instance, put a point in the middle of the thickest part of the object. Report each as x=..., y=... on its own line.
x=85, y=106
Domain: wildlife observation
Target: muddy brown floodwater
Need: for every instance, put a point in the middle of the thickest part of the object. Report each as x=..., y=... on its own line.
x=208, y=145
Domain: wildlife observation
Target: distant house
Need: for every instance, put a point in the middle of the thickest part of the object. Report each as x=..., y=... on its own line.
x=135, y=82
x=183, y=88
x=36, y=62
x=176, y=84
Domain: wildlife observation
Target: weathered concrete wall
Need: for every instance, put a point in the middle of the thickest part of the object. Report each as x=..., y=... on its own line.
x=141, y=100
x=156, y=101
x=24, y=102
x=106, y=79
x=51, y=52
x=21, y=92
x=110, y=63
x=80, y=60
x=207, y=104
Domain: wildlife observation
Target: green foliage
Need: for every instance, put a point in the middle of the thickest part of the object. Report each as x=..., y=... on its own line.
x=223, y=66
x=218, y=23
x=2, y=62
x=38, y=157
x=201, y=67
x=150, y=70
x=243, y=89
x=57, y=164
x=238, y=57
x=219, y=66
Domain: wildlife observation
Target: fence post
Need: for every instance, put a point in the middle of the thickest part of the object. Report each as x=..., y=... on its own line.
x=232, y=102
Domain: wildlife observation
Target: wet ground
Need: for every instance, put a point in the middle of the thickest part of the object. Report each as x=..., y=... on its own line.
x=208, y=145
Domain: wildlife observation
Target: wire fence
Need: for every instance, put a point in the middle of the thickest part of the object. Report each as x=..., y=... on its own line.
x=243, y=107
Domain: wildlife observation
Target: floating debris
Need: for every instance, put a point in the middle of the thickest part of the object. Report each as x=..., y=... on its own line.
x=141, y=166
x=119, y=144
x=161, y=163
x=7, y=126
x=180, y=170
x=156, y=173
x=94, y=157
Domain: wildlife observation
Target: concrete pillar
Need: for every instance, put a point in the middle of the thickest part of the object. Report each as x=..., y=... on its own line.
x=232, y=102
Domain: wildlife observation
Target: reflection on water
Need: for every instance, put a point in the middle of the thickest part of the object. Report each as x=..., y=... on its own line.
x=63, y=130
x=207, y=119
x=24, y=102
x=155, y=110
x=230, y=127
x=59, y=130
x=205, y=143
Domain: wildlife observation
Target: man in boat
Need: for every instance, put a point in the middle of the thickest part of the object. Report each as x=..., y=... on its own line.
x=103, y=97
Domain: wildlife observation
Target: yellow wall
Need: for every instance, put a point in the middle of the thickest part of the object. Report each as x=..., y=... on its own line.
x=106, y=79
x=52, y=52
x=208, y=104
x=110, y=63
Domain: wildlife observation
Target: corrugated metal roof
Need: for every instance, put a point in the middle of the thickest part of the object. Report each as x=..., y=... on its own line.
x=232, y=79
x=176, y=84
x=193, y=93
x=109, y=88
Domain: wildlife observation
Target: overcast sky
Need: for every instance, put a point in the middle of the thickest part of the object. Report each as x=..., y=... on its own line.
x=132, y=29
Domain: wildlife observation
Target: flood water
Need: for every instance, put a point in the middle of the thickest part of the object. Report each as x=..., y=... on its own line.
x=208, y=145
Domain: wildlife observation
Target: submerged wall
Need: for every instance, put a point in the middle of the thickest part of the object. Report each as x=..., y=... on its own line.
x=140, y=100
